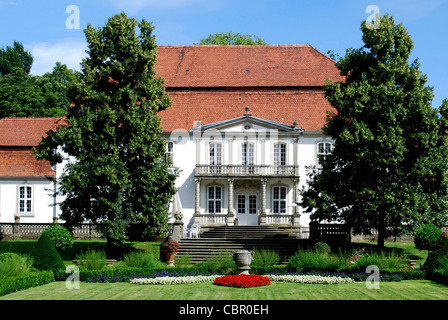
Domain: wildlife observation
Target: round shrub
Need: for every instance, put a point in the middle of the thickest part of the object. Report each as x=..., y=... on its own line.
x=61, y=237
x=438, y=258
x=426, y=236
x=322, y=247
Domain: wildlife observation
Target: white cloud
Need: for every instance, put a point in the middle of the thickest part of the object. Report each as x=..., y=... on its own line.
x=69, y=51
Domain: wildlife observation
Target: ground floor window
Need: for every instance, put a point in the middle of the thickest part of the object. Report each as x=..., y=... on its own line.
x=25, y=199
x=278, y=200
x=214, y=199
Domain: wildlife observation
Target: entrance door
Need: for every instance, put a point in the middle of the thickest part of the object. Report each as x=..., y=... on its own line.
x=247, y=209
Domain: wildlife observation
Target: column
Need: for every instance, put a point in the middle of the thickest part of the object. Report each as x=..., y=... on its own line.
x=296, y=212
x=262, y=218
x=197, y=201
x=231, y=210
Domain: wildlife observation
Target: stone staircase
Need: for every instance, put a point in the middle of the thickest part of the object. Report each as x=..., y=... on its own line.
x=229, y=238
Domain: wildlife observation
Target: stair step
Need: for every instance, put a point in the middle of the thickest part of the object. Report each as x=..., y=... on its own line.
x=229, y=238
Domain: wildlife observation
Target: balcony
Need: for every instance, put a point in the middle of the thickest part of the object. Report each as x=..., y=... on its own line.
x=246, y=171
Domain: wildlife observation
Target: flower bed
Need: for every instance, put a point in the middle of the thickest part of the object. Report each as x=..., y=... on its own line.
x=242, y=281
x=173, y=280
x=311, y=279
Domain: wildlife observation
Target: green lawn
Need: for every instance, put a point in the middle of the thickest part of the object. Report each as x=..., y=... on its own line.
x=404, y=290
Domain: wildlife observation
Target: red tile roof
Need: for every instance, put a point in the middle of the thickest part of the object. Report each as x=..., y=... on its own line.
x=21, y=162
x=26, y=132
x=17, y=137
x=308, y=107
x=281, y=83
x=244, y=66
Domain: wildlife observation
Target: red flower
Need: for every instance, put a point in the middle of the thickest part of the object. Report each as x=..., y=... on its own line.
x=242, y=281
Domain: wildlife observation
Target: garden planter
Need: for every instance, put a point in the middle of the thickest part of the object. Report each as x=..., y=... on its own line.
x=169, y=257
x=243, y=259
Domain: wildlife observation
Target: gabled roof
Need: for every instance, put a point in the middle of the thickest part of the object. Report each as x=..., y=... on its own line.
x=308, y=107
x=20, y=162
x=244, y=66
x=26, y=132
x=280, y=83
x=17, y=138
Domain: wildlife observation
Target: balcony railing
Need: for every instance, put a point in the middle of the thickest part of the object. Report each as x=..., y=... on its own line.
x=246, y=170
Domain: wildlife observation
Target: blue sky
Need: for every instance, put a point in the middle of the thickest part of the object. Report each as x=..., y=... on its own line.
x=325, y=24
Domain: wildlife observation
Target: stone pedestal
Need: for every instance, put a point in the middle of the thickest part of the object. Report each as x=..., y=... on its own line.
x=178, y=227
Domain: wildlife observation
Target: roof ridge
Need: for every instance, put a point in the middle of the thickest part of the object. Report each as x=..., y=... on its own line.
x=232, y=45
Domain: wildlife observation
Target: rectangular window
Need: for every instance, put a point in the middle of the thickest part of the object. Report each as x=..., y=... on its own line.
x=280, y=154
x=25, y=204
x=247, y=153
x=252, y=204
x=323, y=149
x=169, y=155
x=215, y=157
x=247, y=157
x=279, y=200
x=214, y=199
x=241, y=207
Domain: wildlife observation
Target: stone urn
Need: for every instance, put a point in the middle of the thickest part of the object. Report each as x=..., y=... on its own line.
x=243, y=259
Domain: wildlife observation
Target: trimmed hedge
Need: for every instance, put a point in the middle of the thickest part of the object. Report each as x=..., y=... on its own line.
x=30, y=280
x=124, y=274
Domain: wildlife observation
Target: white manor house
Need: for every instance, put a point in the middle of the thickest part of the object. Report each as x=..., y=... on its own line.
x=245, y=124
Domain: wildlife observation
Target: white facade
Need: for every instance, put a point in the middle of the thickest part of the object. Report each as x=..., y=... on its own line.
x=30, y=198
x=244, y=171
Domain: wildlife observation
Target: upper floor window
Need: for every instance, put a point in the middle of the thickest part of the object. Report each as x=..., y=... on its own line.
x=324, y=149
x=214, y=199
x=280, y=154
x=169, y=154
x=215, y=153
x=247, y=154
x=25, y=199
x=279, y=199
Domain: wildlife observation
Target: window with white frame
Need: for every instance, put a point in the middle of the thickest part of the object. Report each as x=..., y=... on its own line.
x=25, y=199
x=324, y=149
x=279, y=199
x=169, y=154
x=214, y=199
x=215, y=156
x=280, y=154
x=247, y=153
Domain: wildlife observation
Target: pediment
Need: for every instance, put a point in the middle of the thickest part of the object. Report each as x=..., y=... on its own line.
x=247, y=124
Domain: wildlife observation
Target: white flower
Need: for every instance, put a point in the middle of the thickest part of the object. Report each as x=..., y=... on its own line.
x=310, y=279
x=173, y=280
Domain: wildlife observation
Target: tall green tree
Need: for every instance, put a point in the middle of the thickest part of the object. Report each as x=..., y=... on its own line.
x=15, y=57
x=390, y=160
x=231, y=38
x=119, y=178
